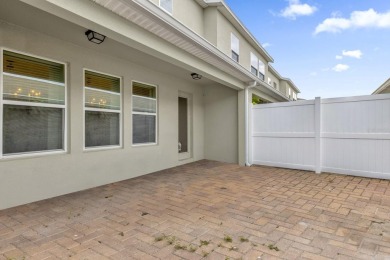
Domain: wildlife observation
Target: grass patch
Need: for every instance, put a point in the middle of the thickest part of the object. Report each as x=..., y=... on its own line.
x=204, y=242
x=204, y=253
x=171, y=240
x=228, y=239
x=178, y=246
x=192, y=248
x=273, y=247
x=244, y=239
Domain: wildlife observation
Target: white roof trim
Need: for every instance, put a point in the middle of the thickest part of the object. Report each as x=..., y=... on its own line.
x=382, y=87
x=276, y=73
x=153, y=19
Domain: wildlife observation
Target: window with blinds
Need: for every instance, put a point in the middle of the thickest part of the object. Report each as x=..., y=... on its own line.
x=261, y=70
x=235, y=47
x=102, y=104
x=33, y=103
x=144, y=110
x=254, y=64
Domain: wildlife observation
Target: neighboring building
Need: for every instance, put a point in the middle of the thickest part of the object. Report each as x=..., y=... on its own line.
x=75, y=114
x=284, y=85
x=384, y=88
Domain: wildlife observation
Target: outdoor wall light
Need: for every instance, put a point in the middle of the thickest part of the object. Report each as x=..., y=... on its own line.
x=196, y=76
x=95, y=37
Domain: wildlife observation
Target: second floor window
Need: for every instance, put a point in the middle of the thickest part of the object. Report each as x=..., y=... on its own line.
x=167, y=5
x=235, y=48
x=257, y=66
x=254, y=64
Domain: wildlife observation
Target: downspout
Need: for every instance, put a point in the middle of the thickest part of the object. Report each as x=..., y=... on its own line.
x=247, y=132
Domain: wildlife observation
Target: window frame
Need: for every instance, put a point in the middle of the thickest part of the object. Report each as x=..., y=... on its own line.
x=258, y=74
x=145, y=113
x=233, y=36
x=64, y=107
x=251, y=65
x=159, y=4
x=103, y=147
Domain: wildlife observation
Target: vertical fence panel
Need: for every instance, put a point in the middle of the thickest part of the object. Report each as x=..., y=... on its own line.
x=283, y=135
x=339, y=135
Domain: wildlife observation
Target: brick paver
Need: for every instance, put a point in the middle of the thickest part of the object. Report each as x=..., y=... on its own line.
x=208, y=210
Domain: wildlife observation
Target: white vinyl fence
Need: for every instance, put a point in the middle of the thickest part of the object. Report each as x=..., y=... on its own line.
x=339, y=135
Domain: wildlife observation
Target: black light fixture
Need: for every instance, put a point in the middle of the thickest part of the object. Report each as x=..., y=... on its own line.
x=196, y=76
x=95, y=37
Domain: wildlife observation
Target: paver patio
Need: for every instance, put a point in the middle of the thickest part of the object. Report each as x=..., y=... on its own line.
x=191, y=211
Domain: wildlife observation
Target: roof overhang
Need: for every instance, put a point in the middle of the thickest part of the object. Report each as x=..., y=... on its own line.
x=289, y=81
x=153, y=19
x=385, y=87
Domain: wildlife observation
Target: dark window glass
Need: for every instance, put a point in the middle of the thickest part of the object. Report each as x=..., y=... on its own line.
x=144, y=129
x=32, y=129
x=101, y=128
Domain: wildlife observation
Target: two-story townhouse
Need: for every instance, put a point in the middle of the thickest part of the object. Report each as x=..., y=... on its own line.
x=98, y=91
x=283, y=85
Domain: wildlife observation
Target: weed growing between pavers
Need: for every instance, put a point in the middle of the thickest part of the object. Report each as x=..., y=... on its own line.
x=243, y=239
x=272, y=247
x=179, y=245
x=228, y=239
x=204, y=242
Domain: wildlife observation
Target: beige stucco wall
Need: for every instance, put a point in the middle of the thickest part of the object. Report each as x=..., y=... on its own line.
x=224, y=30
x=221, y=124
x=211, y=25
x=274, y=79
x=29, y=179
x=190, y=13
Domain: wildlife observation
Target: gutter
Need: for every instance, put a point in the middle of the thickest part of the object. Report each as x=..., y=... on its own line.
x=247, y=129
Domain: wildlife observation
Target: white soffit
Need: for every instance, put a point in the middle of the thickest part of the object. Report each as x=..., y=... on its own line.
x=150, y=17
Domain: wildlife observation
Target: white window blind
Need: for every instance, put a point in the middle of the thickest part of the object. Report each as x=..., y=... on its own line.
x=254, y=64
x=167, y=5
x=235, y=47
x=144, y=113
x=102, y=94
x=33, y=104
x=262, y=68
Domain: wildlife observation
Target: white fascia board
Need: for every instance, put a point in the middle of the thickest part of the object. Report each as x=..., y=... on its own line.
x=382, y=87
x=274, y=72
x=291, y=83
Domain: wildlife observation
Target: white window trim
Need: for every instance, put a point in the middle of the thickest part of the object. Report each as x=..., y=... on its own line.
x=144, y=113
x=64, y=107
x=159, y=4
x=103, y=147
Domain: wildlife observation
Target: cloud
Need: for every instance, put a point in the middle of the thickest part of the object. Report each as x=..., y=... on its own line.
x=266, y=44
x=357, y=19
x=339, y=57
x=295, y=9
x=353, y=54
x=340, y=67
